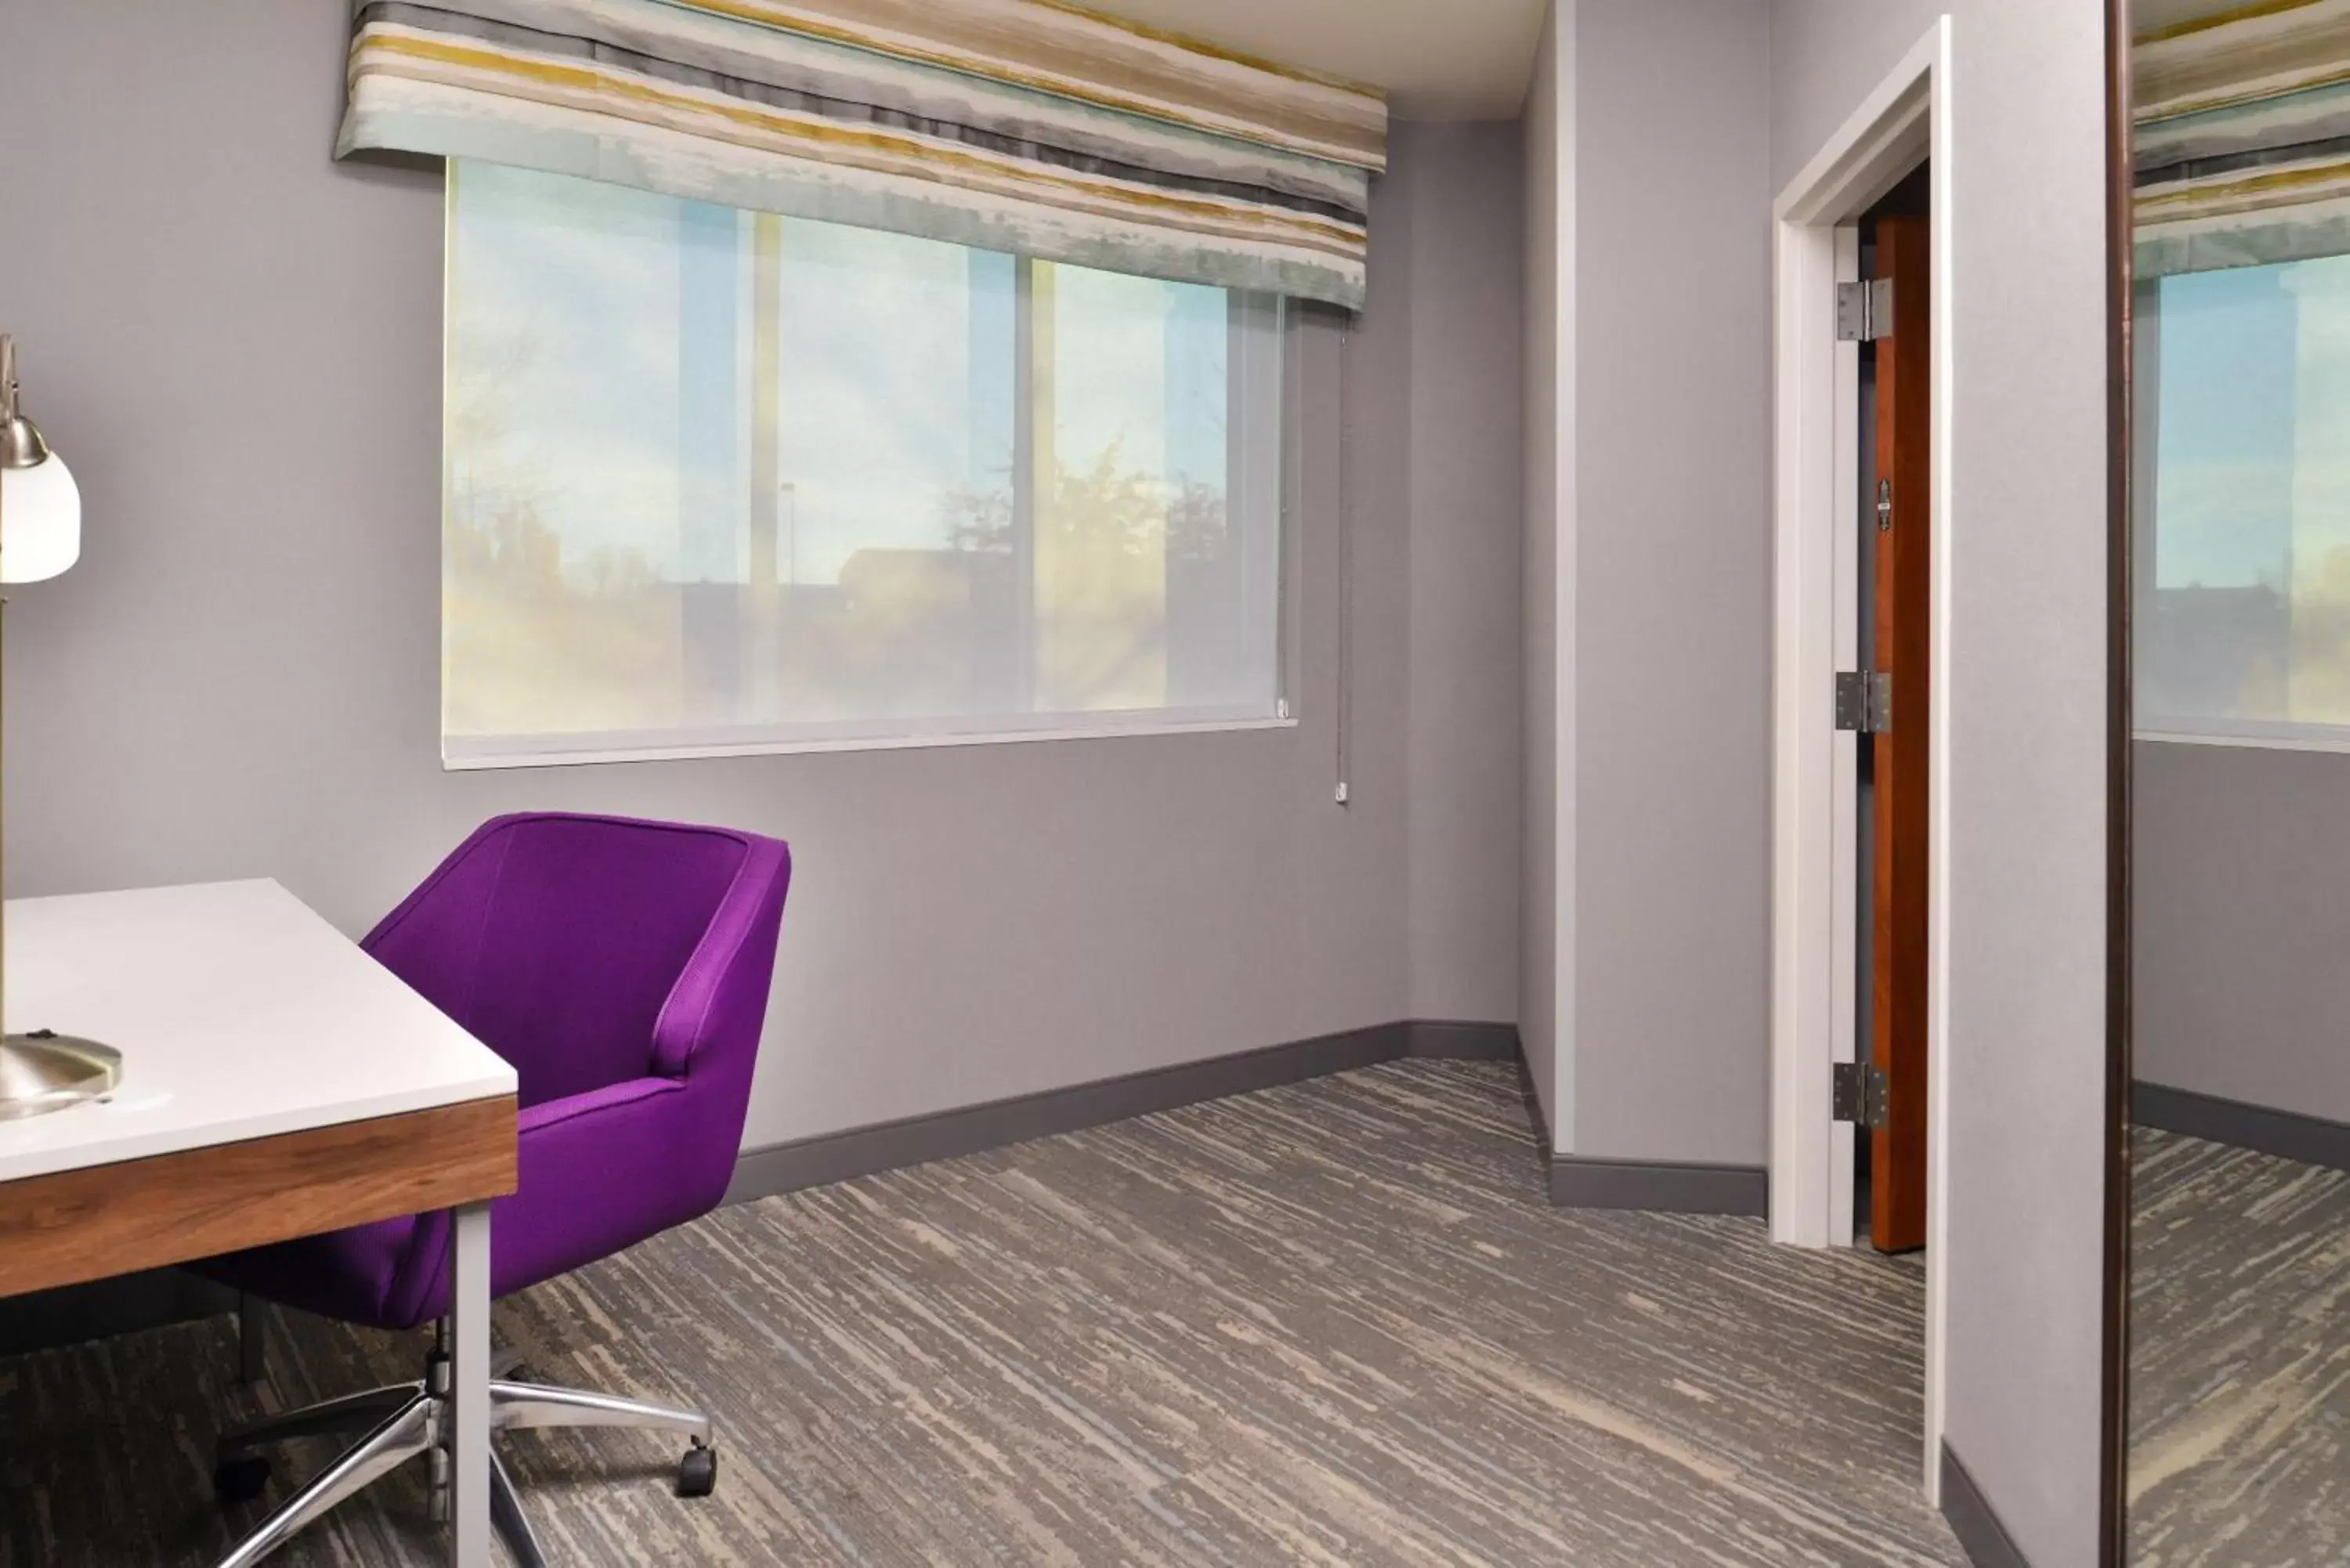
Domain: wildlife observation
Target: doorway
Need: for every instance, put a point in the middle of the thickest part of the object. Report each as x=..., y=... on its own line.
x=1904, y=124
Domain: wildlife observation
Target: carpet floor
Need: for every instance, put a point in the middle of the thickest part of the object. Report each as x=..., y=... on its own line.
x=1331, y=1324
x=2240, y=1358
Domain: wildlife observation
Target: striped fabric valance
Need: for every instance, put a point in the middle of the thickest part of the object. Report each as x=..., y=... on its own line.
x=2243, y=138
x=1010, y=125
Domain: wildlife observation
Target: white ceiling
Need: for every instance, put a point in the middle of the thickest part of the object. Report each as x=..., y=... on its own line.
x=1439, y=59
x=1462, y=59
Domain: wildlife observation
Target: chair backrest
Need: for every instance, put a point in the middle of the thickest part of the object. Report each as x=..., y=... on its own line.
x=590, y=951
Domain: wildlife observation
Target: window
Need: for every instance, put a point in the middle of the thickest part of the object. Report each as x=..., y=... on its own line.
x=2244, y=577
x=727, y=481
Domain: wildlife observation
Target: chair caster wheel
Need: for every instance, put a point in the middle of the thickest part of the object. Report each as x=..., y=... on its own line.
x=697, y=1472
x=242, y=1478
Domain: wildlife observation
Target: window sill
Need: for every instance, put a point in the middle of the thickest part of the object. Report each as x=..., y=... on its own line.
x=568, y=757
x=2264, y=742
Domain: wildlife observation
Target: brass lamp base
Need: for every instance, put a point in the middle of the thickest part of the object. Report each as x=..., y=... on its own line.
x=46, y=1071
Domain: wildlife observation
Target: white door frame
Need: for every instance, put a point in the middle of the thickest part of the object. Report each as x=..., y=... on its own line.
x=1816, y=439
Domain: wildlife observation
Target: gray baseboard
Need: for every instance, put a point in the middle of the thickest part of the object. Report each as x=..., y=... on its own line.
x=2310, y=1139
x=974, y=1129
x=1662, y=1186
x=1666, y=1185
x=1450, y=1040
x=1974, y=1520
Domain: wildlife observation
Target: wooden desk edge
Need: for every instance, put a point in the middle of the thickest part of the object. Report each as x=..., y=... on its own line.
x=105, y=1220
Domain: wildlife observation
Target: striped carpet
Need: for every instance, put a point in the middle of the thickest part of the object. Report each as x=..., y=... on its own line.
x=1332, y=1323
x=2240, y=1358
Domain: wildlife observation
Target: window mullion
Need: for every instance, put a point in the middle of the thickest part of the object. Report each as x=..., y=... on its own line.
x=1024, y=493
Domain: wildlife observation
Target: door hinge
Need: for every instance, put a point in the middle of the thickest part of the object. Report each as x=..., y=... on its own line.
x=1860, y=1093
x=1864, y=310
x=1863, y=701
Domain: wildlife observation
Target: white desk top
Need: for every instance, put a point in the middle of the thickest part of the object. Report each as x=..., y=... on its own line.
x=239, y=1014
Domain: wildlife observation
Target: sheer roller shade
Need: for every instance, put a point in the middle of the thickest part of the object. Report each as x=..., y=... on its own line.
x=722, y=481
x=1022, y=126
x=2243, y=573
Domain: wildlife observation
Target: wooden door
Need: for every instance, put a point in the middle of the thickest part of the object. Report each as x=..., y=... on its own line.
x=1902, y=648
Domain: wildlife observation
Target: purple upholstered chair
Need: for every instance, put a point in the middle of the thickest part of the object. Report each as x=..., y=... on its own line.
x=622, y=967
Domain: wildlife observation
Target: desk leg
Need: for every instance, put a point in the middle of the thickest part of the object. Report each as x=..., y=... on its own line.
x=469, y=1386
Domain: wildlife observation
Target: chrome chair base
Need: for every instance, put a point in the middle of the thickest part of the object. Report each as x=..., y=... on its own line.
x=395, y=1423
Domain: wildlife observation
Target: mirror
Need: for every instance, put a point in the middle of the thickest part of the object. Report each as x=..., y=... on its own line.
x=2238, y=584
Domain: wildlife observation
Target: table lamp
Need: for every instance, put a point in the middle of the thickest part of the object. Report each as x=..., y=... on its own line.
x=40, y=535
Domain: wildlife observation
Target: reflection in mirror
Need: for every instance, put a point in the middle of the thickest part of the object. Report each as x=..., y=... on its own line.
x=2239, y=1287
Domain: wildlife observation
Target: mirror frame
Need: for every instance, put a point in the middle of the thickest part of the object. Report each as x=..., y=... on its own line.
x=2113, y=1525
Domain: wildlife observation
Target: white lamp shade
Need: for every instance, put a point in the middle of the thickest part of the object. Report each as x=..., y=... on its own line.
x=40, y=521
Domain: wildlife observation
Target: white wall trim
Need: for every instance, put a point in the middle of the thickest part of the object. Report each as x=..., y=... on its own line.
x=2283, y=738
x=1844, y=774
x=1944, y=453
x=516, y=752
x=1564, y=1009
x=1906, y=118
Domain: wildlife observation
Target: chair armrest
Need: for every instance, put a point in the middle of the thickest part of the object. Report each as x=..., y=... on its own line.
x=594, y=1102
x=718, y=993
x=601, y=1171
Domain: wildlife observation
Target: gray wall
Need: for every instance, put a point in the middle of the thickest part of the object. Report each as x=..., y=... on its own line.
x=1645, y=937
x=2241, y=874
x=1463, y=284
x=1672, y=579
x=2026, y=714
x=1547, y=554
x=236, y=343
